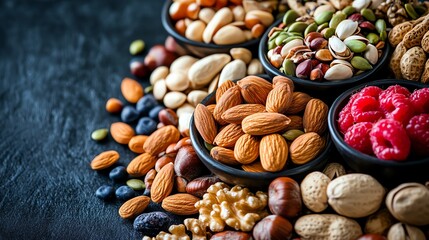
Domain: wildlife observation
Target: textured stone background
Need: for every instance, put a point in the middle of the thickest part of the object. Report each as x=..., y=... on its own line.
x=60, y=60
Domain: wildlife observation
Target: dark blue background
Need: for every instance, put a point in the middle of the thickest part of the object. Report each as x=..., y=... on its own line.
x=60, y=60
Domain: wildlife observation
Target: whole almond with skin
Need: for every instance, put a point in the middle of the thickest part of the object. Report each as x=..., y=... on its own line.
x=254, y=89
x=253, y=167
x=279, y=99
x=246, y=149
x=205, y=123
x=295, y=123
x=273, y=152
x=121, y=132
x=211, y=108
x=223, y=88
x=141, y=164
x=283, y=79
x=299, y=101
x=223, y=155
x=159, y=140
x=104, y=160
x=134, y=207
x=237, y=113
x=131, y=90
x=136, y=143
x=163, y=183
x=229, y=99
x=229, y=135
x=306, y=147
x=315, y=116
x=162, y=161
x=265, y=123
x=180, y=204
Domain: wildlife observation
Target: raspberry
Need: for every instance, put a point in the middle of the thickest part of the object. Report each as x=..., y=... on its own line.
x=394, y=89
x=418, y=131
x=372, y=91
x=357, y=137
x=398, y=107
x=345, y=120
x=390, y=140
x=366, y=109
x=420, y=100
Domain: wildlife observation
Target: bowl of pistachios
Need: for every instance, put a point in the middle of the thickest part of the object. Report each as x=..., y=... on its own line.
x=330, y=50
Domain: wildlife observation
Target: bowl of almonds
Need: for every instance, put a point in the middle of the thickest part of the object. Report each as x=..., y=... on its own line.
x=252, y=131
x=209, y=26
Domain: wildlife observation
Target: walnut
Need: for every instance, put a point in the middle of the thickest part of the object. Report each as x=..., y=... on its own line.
x=236, y=207
x=197, y=228
x=177, y=232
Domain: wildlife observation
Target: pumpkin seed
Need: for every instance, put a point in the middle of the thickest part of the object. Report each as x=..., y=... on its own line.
x=336, y=19
x=137, y=47
x=292, y=134
x=208, y=146
x=368, y=14
x=324, y=17
x=328, y=32
x=410, y=11
x=298, y=27
x=383, y=36
x=373, y=38
x=99, y=134
x=349, y=10
x=311, y=28
x=289, y=67
x=356, y=46
x=380, y=25
x=148, y=89
x=290, y=17
x=136, y=184
x=360, y=63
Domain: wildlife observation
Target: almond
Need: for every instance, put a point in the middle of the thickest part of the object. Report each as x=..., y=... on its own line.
x=273, y=152
x=254, y=89
x=141, y=164
x=228, y=135
x=134, y=207
x=299, y=101
x=159, y=140
x=265, y=123
x=237, y=113
x=180, y=204
x=283, y=79
x=306, y=147
x=205, y=123
x=295, y=123
x=223, y=88
x=114, y=105
x=224, y=155
x=163, y=183
x=162, y=161
x=315, y=116
x=131, y=90
x=136, y=143
x=246, y=149
x=279, y=99
x=104, y=160
x=121, y=132
x=253, y=167
x=228, y=100
x=211, y=108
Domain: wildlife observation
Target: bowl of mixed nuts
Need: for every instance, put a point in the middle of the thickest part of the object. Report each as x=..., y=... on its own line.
x=329, y=50
x=382, y=128
x=251, y=131
x=208, y=27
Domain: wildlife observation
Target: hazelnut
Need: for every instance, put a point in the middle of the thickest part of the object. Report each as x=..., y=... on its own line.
x=284, y=197
x=272, y=227
x=199, y=186
x=187, y=164
x=168, y=117
x=231, y=235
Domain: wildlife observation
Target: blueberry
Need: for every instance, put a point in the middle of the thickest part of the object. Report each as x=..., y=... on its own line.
x=105, y=192
x=145, y=126
x=119, y=173
x=145, y=104
x=129, y=114
x=154, y=112
x=124, y=193
x=152, y=222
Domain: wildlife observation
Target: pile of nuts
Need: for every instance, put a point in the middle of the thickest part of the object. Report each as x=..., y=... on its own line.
x=410, y=59
x=330, y=46
x=221, y=22
x=249, y=117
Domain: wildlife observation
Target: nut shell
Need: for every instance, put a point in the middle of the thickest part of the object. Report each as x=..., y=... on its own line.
x=412, y=63
x=273, y=227
x=284, y=197
x=313, y=191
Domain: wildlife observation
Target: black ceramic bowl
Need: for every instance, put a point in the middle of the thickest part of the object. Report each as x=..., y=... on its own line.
x=387, y=172
x=237, y=176
x=200, y=49
x=316, y=86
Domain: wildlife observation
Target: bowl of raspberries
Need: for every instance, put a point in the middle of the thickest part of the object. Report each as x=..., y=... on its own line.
x=382, y=128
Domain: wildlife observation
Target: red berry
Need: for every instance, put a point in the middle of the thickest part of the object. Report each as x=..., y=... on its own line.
x=357, y=137
x=418, y=131
x=398, y=107
x=420, y=100
x=345, y=120
x=394, y=89
x=372, y=91
x=389, y=140
x=366, y=109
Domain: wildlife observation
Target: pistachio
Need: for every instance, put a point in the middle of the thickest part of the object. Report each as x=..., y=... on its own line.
x=383, y=36
x=324, y=55
x=357, y=17
x=316, y=74
x=310, y=28
x=322, y=26
x=380, y=25
x=99, y=134
x=338, y=72
x=373, y=38
x=323, y=8
x=346, y=28
x=371, y=54
x=368, y=14
x=349, y=10
x=323, y=17
x=339, y=61
x=361, y=4
x=289, y=67
x=337, y=46
x=318, y=43
x=311, y=36
x=303, y=69
x=290, y=17
x=366, y=25
x=355, y=45
x=328, y=32
x=411, y=11
x=290, y=135
x=360, y=63
x=288, y=46
x=404, y=231
x=336, y=19
x=298, y=27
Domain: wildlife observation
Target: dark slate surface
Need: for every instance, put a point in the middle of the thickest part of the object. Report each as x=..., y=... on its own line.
x=60, y=60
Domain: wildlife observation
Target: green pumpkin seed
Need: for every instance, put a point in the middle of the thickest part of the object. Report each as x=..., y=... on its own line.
x=298, y=27
x=373, y=38
x=148, y=89
x=322, y=26
x=360, y=63
x=290, y=17
x=137, y=47
x=289, y=67
x=368, y=14
x=410, y=11
x=311, y=28
x=208, y=146
x=324, y=17
x=349, y=10
x=291, y=38
x=99, y=134
x=336, y=19
x=356, y=46
x=383, y=36
x=380, y=25
x=271, y=44
x=280, y=39
x=329, y=32
x=292, y=134
x=136, y=184
x=274, y=35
